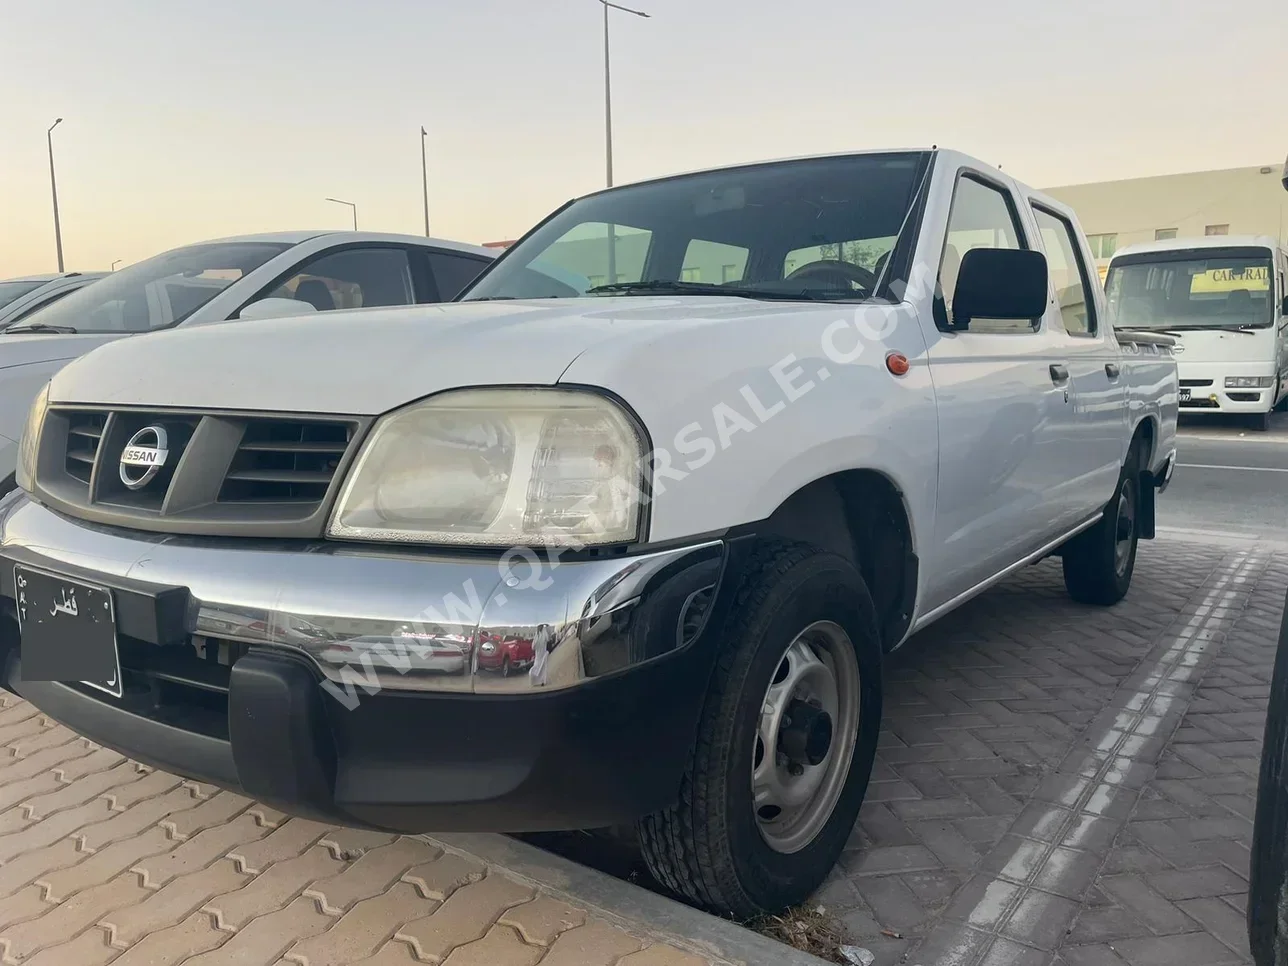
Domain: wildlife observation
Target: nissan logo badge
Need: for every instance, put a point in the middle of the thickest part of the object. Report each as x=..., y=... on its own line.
x=143, y=456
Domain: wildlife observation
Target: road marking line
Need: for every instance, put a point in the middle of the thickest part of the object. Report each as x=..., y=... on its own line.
x=1118, y=764
x=1244, y=469
x=1228, y=438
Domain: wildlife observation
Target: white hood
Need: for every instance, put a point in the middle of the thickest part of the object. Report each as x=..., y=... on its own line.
x=369, y=361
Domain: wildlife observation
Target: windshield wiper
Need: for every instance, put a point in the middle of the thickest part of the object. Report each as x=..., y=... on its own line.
x=665, y=287
x=1147, y=328
x=42, y=327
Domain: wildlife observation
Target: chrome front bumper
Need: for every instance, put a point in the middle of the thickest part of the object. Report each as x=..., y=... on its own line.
x=390, y=619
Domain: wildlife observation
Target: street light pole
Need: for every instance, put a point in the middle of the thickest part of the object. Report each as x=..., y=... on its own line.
x=53, y=187
x=608, y=126
x=114, y=264
x=424, y=177
x=608, y=86
x=351, y=205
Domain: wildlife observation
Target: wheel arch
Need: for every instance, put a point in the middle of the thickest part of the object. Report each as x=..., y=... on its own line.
x=861, y=515
x=1146, y=434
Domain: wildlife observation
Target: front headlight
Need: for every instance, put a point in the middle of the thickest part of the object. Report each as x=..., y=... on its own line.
x=1249, y=382
x=29, y=445
x=497, y=467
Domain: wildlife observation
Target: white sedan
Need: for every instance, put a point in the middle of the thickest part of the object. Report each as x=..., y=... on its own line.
x=249, y=277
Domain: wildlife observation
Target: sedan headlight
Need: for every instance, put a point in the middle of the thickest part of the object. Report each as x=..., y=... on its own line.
x=497, y=467
x=29, y=445
x=1249, y=382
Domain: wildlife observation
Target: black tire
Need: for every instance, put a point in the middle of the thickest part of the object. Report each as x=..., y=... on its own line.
x=1094, y=571
x=1267, y=911
x=505, y=665
x=1261, y=422
x=708, y=847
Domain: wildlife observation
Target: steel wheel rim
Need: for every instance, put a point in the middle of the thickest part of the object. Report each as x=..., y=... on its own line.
x=1126, y=528
x=793, y=800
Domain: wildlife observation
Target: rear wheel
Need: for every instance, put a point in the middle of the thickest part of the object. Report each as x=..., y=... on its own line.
x=1099, y=562
x=786, y=741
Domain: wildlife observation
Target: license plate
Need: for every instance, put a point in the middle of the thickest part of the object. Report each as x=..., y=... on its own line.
x=68, y=630
x=1185, y=395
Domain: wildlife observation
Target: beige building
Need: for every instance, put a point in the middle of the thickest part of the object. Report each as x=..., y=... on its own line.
x=1234, y=201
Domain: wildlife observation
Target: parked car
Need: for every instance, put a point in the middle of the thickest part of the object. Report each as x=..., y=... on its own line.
x=251, y=277
x=784, y=416
x=506, y=654
x=21, y=297
x=1223, y=299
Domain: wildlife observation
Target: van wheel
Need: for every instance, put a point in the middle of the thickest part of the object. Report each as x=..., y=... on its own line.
x=1261, y=422
x=785, y=744
x=1098, y=563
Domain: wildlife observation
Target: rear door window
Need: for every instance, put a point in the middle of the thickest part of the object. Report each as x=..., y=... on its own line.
x=352, y=278
x=1068, y=273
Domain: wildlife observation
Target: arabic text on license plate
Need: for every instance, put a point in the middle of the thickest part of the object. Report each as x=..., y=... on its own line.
x=68, y=630
x=1185, y=395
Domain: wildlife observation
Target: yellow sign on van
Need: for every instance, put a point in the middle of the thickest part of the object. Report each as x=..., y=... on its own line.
x=1253, y=278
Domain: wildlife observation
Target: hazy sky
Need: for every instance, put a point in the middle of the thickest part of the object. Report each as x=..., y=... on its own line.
x=186, y=120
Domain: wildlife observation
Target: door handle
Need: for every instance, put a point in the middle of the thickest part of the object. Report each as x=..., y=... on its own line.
x=1112, y=370
x=1059, y=374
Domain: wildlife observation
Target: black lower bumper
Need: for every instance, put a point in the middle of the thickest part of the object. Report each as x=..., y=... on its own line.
x=593, y=756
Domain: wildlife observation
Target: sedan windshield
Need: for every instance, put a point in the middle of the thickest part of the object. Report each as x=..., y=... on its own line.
x=12, y=290
x=156, y=293
x=816, y=230
x=1192, y=289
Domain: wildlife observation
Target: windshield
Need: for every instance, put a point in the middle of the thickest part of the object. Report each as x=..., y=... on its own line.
x=12, y=290
x=819, y=229
x=1225, y=288
x=157, y=292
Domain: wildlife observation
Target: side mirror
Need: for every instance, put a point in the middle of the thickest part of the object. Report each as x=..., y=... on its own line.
x=274, y=308
x=1000, y=283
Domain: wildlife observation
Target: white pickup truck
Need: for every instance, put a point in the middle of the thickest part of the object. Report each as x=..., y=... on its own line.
x=623, y=536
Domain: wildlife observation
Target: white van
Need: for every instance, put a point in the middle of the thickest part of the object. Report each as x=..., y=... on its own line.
x=1225, y=299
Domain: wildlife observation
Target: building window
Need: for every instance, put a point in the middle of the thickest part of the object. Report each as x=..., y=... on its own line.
x=1103, y=246
x=1217, y=230
x=1164, y=234
x=691, y=275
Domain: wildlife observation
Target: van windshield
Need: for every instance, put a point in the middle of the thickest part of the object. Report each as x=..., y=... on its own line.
x=816, y=230
x=158, y=292
x=1192, y=289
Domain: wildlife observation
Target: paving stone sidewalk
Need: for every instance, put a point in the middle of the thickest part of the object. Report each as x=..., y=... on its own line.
x=1056, y=786
x=106, y=861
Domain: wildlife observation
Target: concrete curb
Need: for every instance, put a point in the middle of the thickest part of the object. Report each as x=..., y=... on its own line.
x=629, y=905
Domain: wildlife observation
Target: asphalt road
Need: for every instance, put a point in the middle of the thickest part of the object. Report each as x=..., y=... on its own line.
x=1230, y=479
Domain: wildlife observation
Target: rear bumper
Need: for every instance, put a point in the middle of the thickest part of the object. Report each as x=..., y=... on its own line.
x=599, y=737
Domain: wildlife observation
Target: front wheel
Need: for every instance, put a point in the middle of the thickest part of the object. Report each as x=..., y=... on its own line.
x=1261, y=422
x=1099, y=562
x=786, y=741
